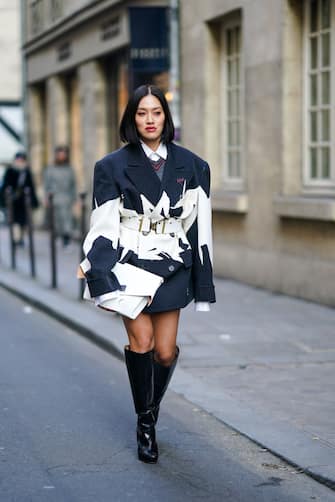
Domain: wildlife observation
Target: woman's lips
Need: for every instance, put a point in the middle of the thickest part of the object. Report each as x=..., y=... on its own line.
x=150, y=129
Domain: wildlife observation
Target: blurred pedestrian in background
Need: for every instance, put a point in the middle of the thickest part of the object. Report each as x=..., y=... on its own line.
x=18, y=177
x=59, y=179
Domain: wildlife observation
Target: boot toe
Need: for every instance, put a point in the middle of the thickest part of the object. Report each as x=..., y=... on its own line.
x=146, y=443
x=147, y=457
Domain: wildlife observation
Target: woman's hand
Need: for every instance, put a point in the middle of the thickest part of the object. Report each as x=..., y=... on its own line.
x=80, y=273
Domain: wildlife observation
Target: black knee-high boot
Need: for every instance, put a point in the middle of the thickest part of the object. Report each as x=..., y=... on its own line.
x=162, y=377
x=140, y=371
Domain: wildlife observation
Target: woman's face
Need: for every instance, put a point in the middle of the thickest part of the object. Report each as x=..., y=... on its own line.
x=149, y=120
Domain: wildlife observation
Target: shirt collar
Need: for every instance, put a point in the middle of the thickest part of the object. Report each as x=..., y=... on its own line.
x=160, y=152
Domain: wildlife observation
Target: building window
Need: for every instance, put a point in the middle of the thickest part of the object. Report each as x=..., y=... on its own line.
x=56, y=9
x=319, y=93
x=232, y=99
x=37, y=16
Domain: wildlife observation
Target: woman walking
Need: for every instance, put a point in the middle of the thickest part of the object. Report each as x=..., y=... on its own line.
x=151, y=209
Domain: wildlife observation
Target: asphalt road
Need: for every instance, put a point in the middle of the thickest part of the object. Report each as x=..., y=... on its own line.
x=67, y=431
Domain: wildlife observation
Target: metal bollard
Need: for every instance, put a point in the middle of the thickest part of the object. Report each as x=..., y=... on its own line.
x=27, y=202
x=10, y=221
x=82, y=198
x=53, y=255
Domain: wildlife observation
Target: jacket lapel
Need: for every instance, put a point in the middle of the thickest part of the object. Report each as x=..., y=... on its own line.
x=176, y=174
x=175, y=177
x=141, y=174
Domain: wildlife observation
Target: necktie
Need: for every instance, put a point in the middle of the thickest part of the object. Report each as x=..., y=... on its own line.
x=157, y=164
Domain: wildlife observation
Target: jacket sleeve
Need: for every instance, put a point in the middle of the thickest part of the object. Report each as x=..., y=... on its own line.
x=199, y=234
x=101, y=245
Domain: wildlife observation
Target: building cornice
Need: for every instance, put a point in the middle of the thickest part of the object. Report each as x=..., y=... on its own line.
x=68, y=23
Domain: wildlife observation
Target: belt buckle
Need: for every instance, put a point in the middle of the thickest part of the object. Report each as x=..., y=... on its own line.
x=140, y=228
x=161, y=225
x=140, y=225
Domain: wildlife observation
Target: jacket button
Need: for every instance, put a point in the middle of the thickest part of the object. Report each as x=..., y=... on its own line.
x=171, y=268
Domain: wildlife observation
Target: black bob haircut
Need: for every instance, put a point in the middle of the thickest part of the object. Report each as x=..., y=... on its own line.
x=128, y=130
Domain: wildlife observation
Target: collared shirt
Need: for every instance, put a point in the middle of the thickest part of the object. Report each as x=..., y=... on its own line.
x=161, y=151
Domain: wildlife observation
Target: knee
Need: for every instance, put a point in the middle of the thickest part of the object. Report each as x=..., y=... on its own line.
x=165, y=357
x=142, y=343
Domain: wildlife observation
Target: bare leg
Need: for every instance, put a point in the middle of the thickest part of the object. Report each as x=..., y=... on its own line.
x=140, y=333
x=165, y=328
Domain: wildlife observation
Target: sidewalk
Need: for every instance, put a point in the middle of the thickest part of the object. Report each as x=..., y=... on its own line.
x=260, y=362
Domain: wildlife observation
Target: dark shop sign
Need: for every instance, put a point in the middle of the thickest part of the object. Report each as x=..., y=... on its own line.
x=149, y=39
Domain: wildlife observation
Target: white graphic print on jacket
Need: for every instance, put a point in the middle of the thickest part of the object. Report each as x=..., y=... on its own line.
x=105, y=221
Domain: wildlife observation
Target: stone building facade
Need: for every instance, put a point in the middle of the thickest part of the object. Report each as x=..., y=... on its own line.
x=80, y=62
x=258, y=101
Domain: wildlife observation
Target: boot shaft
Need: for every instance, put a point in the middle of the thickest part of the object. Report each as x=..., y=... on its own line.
x=141, y=377
x=162, y=377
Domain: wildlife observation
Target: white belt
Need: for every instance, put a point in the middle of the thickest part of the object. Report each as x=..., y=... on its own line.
x=145, y=225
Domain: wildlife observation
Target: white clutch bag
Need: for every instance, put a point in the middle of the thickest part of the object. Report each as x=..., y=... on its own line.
x=138, y=288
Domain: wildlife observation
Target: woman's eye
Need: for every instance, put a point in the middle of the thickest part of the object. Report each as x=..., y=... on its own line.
x=140, y=114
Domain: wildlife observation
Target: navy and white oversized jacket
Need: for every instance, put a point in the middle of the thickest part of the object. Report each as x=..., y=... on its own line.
x=125, y=185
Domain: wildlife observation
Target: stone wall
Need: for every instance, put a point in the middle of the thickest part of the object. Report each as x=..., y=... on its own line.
x=268, y=233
